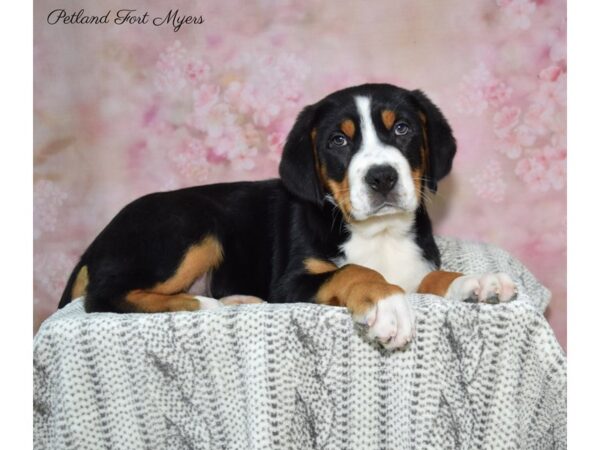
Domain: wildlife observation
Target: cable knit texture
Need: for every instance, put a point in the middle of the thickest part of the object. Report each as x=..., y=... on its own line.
x=301, y=376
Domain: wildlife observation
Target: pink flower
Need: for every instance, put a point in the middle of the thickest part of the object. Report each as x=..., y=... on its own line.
x=489, y=184
x=471, y=101
x=205, y=97
x=554, y=153
x=497, y=93
x=550, y=73
x=229, y=144
x=275, y=142
x=534, y=172
x=170, y=76
x=544, y=169
x=48, y=198
x=214, y=121
x=233, y=92
x=51, y=270
x=538, y=116
x=245, y=161
x=512, y=144
x=252, y=135
x=558, y=51
x=510, y=147
x=197, y=72
x=525, y=135
x=191, y=160
x=558, y=175
x=175, y=69
x=553, y=93
x=505, y=120
x=519, y=13
x=479, y=89
x=273, y=83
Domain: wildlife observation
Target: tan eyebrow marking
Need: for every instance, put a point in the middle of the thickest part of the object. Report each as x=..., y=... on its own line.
x=388, y=117
x=348, y=128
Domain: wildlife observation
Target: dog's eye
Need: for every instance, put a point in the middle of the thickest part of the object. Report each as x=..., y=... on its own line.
x=338, y=140
x=401, y=128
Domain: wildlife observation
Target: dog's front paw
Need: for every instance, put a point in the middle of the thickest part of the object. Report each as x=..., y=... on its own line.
x=484, y=288
x=391, y=321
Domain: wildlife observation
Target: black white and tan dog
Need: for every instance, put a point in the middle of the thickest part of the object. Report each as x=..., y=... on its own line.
x=345, y=225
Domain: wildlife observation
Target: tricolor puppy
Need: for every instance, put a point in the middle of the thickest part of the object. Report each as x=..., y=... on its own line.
x=345, y=225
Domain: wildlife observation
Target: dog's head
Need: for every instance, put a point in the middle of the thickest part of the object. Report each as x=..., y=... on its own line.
x=370, y=149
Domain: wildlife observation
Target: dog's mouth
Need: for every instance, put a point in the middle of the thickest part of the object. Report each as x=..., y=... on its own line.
x=385, y=208
x=382, y=208
x=399, y=204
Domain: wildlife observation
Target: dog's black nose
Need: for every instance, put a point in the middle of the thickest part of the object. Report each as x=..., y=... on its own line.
x=381, y=179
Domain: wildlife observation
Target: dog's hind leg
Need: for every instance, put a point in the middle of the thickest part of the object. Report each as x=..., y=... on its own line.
x=148, y=301
x=172, y=294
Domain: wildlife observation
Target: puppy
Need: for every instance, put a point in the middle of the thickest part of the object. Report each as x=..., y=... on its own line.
x=344, y=225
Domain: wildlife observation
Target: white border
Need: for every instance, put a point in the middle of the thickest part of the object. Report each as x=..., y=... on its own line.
x=583, y=225
x=16, y=242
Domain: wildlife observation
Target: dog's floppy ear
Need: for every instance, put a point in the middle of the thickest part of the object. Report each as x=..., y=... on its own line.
x=441, y=145
x=298, y=167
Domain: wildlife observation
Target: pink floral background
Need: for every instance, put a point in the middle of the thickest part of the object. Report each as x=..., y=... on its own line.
x=121, y=111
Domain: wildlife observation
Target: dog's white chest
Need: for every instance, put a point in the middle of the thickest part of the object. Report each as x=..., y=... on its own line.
x=387, y=246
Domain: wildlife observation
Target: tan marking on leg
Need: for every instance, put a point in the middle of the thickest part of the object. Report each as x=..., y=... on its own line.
x=356, y=287
x=151, y=302
x=348, y=128
x=81, y=282
x=388, y=117
x=198, y=260
x=317, y=266
x=170, y=295
x=437, y=282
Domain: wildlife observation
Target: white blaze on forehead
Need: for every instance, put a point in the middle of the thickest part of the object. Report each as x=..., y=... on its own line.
x=369, y=135
x=373, y=152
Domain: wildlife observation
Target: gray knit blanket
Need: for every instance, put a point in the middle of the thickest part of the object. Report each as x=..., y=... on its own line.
x=301, y=376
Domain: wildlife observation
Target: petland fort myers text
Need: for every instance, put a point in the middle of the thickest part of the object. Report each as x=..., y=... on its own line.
x=174, y=18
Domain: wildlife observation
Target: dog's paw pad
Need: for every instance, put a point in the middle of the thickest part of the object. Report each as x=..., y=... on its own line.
x=484, y=288
x=391, y=322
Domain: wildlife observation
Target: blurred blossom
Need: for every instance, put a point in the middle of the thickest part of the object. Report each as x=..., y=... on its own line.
x=480, y=90
x=505, y=120
x=544, y=169
x=51, y=270
x=519, y=13
x=550, y=73
x=48, y=198
x=170, y=73
x=190, y=159
x=489, y=183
